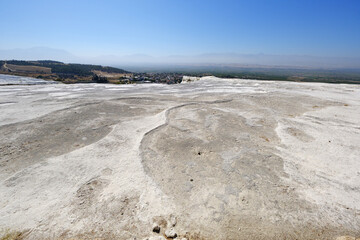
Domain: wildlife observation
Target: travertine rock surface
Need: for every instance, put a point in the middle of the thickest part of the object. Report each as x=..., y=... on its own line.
x=210, y=159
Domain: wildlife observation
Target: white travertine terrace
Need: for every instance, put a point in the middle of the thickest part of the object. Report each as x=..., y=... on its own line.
x=229, y=158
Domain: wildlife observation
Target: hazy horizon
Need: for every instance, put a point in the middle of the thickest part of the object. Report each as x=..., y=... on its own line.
x=206, y=59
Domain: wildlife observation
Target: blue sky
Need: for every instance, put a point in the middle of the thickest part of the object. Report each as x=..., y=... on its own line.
x=172, y=27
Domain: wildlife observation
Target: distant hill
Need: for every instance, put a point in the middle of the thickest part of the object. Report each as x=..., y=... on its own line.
x=54, y=70
x=38, y=53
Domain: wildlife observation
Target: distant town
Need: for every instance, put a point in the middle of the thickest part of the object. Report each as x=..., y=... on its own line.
x=129, y=78
x=168, y=78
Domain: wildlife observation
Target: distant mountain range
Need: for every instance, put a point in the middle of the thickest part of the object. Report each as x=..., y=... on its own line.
x=208, y=59
x=36, y=53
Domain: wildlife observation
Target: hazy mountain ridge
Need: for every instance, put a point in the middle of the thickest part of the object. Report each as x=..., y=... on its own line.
x=36, y=53
x=266, y=60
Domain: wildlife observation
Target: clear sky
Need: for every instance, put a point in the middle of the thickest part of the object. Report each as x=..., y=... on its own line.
x=170, y=27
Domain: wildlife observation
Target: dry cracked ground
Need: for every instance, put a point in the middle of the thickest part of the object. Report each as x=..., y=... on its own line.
x=210, y=159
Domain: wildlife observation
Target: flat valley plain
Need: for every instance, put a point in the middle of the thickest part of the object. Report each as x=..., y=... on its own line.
x=209, y=159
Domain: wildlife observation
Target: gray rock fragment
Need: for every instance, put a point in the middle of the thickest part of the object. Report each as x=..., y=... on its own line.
x=170, y=233
x=173, y=220
x=156, y=228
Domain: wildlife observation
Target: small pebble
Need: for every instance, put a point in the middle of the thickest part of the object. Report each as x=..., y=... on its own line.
x=156, y=228
x=170, y=233
x=173, y=220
